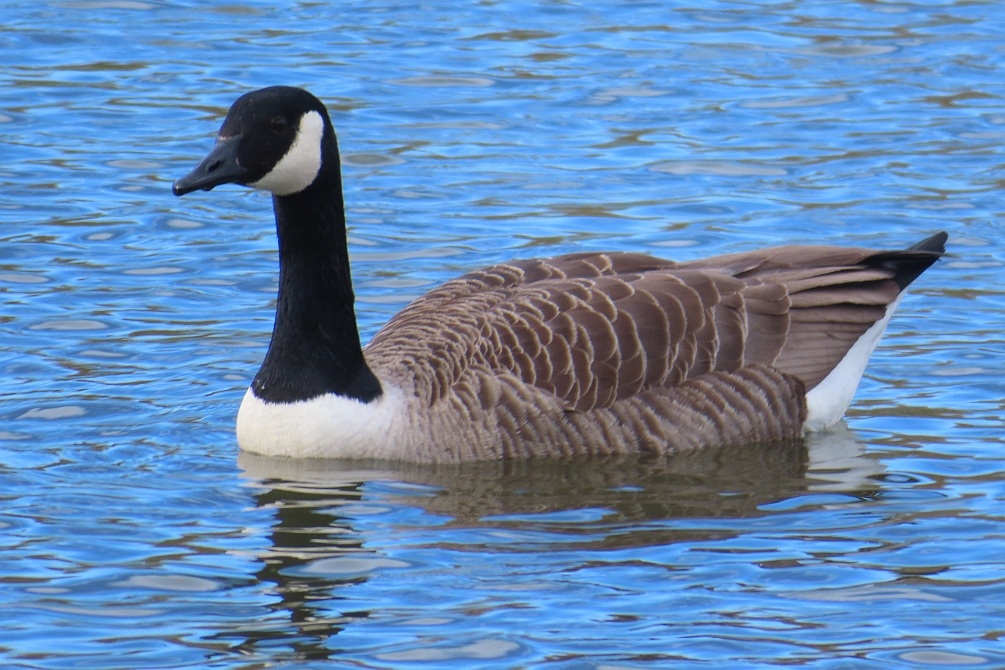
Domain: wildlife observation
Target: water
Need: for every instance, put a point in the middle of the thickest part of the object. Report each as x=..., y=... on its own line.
x=133, y=535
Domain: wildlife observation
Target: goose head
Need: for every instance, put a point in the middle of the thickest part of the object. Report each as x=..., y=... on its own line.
x=276, y=139
x=280, y=139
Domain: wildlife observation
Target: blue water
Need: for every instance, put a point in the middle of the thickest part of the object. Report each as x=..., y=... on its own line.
x=134, y=535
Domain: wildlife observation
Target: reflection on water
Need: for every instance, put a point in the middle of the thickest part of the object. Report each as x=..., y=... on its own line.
x=308, y=534
x=728, y=481
x=577, y=505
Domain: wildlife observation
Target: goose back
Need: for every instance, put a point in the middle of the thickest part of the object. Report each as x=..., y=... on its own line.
x=620, y=352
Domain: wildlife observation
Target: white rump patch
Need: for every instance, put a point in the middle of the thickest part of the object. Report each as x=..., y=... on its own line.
x=829, y=400
x=299, y=167
x=329, y=426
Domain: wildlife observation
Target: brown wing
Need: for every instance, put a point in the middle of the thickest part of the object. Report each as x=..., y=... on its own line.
x=595, y=341
x=835, y=294
x=593, y=329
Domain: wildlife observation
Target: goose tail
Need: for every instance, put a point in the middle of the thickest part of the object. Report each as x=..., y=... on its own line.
x=827, y=402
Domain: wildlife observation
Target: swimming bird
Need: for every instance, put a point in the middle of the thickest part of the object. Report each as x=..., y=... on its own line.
x=586, y=353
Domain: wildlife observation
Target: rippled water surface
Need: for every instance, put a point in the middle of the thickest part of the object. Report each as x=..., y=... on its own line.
x=133, y=534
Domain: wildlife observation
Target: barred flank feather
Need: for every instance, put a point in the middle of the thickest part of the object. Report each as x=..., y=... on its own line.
x=621, y=352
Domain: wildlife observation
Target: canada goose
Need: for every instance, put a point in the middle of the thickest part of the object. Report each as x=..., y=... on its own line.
x=584, y=353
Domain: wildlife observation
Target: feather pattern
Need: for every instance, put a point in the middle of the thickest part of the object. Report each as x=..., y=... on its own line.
x=621, y=352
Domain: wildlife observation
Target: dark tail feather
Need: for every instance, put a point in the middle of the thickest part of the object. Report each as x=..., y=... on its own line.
x=912, y=261
x=936, y=243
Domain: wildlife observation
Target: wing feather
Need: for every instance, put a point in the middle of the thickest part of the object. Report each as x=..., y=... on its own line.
x=595, y=329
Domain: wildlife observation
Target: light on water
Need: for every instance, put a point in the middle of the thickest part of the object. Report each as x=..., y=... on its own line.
x=135, y=536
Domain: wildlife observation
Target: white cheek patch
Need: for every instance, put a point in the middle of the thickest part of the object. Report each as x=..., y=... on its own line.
x=299, y=167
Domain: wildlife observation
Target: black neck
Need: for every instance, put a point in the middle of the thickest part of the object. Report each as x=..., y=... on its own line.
x=315, y=346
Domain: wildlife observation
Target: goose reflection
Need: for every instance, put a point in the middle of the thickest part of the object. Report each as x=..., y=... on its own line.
x=319, y=548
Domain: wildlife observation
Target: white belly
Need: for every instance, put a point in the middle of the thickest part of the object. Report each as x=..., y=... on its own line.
x=328, y=426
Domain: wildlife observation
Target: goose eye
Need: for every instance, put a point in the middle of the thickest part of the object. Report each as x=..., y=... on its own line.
x=278, y=124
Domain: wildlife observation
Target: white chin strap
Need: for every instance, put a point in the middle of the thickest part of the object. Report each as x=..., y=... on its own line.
x=299, y=167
